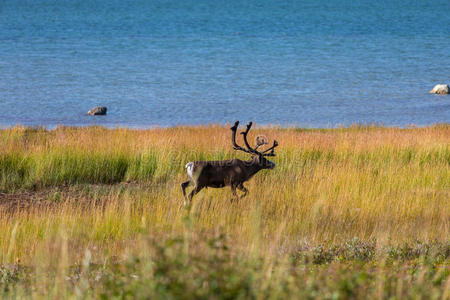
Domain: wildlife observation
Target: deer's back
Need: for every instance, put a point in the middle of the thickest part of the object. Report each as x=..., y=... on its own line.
x=216, y=173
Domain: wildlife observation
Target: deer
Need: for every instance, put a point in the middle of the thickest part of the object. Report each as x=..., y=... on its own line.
x=231, y=172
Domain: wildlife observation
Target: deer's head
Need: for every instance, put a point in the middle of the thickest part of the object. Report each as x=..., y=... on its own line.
x=258, y=157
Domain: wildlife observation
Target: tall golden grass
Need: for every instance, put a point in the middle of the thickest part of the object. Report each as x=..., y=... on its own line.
x=102, y=193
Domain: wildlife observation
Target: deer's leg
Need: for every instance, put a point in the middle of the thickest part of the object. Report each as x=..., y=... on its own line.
x=242, y=188
x=235, y=195
x=196, y=189
x=184, y=185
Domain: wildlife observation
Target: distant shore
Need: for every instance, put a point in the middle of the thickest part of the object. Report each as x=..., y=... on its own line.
x=268, y=125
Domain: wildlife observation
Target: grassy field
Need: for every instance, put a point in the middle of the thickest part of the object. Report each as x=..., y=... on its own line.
x=359, y=212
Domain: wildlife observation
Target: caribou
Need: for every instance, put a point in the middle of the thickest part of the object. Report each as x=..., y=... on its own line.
x=231, y=172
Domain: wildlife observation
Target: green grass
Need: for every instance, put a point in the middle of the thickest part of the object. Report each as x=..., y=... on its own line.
x=205, y=267
x=358, y=212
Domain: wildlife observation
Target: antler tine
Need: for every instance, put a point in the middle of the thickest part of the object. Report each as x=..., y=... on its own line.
x=235, y=126
x=271, y=149
x=244, y=133
x=233, y=137
x=260, y=143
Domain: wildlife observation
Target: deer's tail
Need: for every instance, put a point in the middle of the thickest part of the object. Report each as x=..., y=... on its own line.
x=190, y=169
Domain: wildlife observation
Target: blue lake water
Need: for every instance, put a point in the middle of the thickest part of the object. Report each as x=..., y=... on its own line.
x=312, y=63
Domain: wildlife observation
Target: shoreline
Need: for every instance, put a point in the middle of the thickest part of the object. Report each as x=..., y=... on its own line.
x=224, y=125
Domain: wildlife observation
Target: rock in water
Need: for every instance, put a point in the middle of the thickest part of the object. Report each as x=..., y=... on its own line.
x=440, y=89
x=98, y=111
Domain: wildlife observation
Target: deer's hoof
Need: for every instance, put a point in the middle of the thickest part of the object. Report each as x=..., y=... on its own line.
x=187, y=204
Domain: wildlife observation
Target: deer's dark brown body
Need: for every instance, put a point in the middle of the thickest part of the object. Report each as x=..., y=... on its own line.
x=232, y=172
